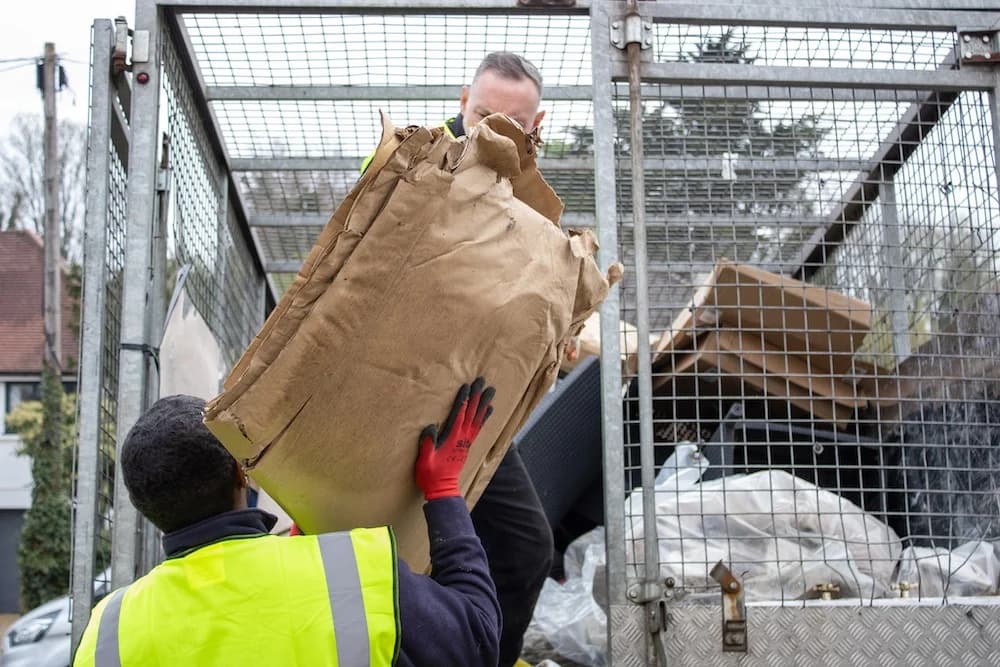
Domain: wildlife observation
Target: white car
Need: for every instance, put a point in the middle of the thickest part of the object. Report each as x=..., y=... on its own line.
x=41, y=638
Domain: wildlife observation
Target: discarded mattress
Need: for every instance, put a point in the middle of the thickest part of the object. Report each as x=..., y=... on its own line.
x=445, y=262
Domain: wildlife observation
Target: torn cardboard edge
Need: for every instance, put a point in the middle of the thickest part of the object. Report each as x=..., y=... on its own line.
x=822, y=325
x=768, y=359
x=720, y=352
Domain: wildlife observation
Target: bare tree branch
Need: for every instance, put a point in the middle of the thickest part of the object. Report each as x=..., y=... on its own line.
x=22, y=195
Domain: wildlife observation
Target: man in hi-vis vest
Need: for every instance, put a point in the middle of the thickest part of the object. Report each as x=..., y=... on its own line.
x=508, y=517
x=229, y=593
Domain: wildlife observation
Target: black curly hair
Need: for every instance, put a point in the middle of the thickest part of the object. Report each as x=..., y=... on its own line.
x=176, y=472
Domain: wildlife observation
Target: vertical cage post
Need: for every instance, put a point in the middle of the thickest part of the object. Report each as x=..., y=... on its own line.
x=896, y=275
x=650, y=542
x=92, y=329
x=221, y=177
x=141, y=202
x=150, y=535
x=611, y=371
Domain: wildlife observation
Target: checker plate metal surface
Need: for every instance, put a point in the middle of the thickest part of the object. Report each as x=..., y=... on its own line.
x=785, y=637
x=628, y=636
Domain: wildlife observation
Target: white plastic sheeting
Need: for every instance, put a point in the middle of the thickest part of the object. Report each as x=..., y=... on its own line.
x=969, y=570
x=781, y=536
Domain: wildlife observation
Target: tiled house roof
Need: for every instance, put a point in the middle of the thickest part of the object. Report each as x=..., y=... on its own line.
x=21, y=317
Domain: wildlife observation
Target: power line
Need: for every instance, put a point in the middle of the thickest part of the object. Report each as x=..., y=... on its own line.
x=32, y=59
x=18, y=66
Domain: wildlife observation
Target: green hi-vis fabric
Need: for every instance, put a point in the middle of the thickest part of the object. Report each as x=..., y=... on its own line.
x=326, y=601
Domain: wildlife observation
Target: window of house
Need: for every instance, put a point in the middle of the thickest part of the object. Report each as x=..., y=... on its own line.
x=13, y=394
x=17, y=393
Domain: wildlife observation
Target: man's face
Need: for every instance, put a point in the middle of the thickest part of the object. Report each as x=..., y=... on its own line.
x=492, y=93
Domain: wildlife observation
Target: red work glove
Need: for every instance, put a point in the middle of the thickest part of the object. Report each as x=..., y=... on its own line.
x=442, y=455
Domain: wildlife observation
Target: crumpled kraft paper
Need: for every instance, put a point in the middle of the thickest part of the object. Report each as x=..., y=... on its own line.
x=445, y=262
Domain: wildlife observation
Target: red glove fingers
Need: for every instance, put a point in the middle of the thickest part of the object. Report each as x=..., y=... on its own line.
x=442, y=455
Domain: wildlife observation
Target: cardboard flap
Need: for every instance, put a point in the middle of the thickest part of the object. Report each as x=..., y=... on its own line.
x=782, y=364
x=822, y=326
x=529, y=185
x=226, y=427
x=582, y=242
x=249, y=365
x=712, y=356
x=591, y=286
x=389, y=141
x=792, y=314
x=494, y=150
x=616, y=273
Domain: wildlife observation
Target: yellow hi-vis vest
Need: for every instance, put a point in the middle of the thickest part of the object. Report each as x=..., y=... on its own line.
x=318, y=600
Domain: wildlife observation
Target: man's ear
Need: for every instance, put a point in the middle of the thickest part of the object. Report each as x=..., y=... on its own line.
x=240, y=490
x=538, y=120
x=464, y=99
x=242, y=481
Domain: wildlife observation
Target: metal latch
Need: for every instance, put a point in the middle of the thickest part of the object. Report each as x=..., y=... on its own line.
x=979, y=48
x=656, y=620
x=631, y=29
x=140, y=46
x=904, y=588
x=734, y=614
x=827, y=591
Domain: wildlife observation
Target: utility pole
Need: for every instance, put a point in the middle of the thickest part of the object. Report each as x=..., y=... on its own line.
x=52, y=301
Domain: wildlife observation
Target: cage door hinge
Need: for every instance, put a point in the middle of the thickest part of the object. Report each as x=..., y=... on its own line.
x=978, y=47
x=734, y=613
x=140, y=47
x=631, y=29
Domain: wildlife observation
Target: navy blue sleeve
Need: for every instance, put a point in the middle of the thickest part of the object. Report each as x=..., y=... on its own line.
x=451, y=617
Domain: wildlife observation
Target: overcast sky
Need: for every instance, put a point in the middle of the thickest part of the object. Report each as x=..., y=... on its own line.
x=26, y=26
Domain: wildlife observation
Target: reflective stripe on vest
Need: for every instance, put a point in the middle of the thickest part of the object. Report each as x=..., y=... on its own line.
x=350, y=625
x=349, y=585
x=107, y=654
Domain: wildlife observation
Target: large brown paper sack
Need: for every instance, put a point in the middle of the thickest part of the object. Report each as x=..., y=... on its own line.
x=430, y=273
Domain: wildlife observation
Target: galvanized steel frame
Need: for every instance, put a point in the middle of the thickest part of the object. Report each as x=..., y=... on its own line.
x=610, y=65
x=137, y=347
x=995, y=113
x=581, y=6
x=379, y=6
x=855, y=13
x=428, y=92
x=92, y=329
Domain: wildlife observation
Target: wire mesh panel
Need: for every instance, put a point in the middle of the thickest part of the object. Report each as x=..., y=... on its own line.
x=114, y=262
x=946, y=227
x=822, y=284
x=297, y=98
x=379, y=48
x=225, y=284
